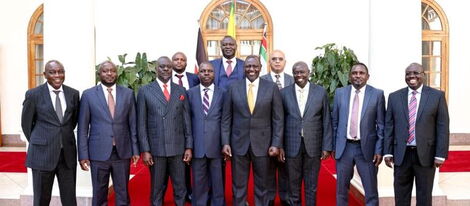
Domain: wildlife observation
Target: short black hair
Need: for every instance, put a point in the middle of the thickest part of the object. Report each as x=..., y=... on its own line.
x=359, y=64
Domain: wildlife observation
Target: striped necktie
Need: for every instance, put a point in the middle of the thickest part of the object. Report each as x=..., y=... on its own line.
x=205, y=101
x=412, y=116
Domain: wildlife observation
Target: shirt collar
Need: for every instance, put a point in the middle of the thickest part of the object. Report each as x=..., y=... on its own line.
x=418, y=90
x=273, y=75
x=160, y=83
x=211, y=87
x=105, y=88
x=51, y=89
x=232, y=59
x=256, y=82
x=306, y=88
x=361, y=90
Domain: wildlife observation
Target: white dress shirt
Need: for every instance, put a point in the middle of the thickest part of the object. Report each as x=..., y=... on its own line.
x=281, y=78
x=302, y=96
x=359, y=111
x=210, y=93
x=184, y=79
x=234, y=63
x=160, y=83
x=113, y=92
x=255, y=89
x=63, y=103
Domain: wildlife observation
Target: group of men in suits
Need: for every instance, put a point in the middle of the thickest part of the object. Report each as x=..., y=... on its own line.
x=278, y=124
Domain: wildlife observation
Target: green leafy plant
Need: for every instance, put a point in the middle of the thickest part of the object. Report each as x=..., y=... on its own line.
x=331, y=68
x=134, y=74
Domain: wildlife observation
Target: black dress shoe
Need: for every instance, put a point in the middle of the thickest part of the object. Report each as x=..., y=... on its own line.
x=284, y=203
x=188, y=198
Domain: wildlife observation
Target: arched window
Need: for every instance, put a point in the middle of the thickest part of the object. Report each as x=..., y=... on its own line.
x=251, y=17
x=35, y=48
x=435, y=41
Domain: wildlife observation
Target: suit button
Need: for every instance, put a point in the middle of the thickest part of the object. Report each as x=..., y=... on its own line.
x=163, y=117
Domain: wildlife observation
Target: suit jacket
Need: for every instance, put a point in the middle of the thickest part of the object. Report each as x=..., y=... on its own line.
x=260, y=130
x=221, y=80
x=431, y=129
x=206, y=128
x=315, y=121
x=45, y=132
x=372, y=121
x=164, y=128
x=288, y=79
x=96, y=127
x=193, y=79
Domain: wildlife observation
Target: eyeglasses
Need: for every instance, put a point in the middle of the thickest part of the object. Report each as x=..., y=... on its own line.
x=277, y=59
x=413, y=73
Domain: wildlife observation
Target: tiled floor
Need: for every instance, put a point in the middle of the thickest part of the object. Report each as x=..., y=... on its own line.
x=455, y=185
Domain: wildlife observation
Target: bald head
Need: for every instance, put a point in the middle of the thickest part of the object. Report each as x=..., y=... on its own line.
x=277, y=61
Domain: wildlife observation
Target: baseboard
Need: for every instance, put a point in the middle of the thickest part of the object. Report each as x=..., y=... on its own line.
x=12, y=140
x=460, y=139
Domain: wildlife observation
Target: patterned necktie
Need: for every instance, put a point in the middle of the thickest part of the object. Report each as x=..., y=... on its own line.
x=412, y=117
x=251, y=102
x=205, y=101
x=180, y=81
x=278, y=82
x=229, y=68
x=111, y=103
x=58, y=106
x=354, y=116
x=166, y=92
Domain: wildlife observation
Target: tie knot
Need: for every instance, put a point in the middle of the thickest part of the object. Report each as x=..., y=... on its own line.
x=165, y=85
x=358, y=91
x=109, y=89
x=56, y=92
x=414, y=92
x=277, y=76
x=229, y=61
x=179, y=75
x=251, y=85
x=206, y=89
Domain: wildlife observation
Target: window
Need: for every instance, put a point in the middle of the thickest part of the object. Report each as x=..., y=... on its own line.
x=251, y=17
x=35, y=48
x=435, y=45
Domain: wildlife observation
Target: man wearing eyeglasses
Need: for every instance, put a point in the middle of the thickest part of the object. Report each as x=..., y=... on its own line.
x=277, y=62
x=416, y=136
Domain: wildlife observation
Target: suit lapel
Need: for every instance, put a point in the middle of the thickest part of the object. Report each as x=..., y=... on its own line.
x=214, y=100
x=118, y=100
x=242, y=93
x=422, y=101
x=260, y=94
x=198, y=100
x=404, y=101
x=102, y=99
x=218, y=64
x=174, y=96
x=269, y=77
x=158, y=92
x=309, y=98
x=296, y=102
x=367, y=95
x=45, y=93
x=346, y=98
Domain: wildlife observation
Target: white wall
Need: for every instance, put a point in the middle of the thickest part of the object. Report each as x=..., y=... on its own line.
x=14, y=20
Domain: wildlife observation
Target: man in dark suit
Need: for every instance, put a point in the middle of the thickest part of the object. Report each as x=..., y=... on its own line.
x=206, y=101
x=307, y=134
x=48, y=119
x=185, y=79
x=252, y=127
x=358, y=128
x=228, y=69
x=164, y=131
x=416, y=136
x=107, y=135
x=277, y=62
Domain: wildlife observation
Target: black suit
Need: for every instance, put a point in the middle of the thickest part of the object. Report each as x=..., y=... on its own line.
x=45, y=134
x=432, y=140
x=251, y=135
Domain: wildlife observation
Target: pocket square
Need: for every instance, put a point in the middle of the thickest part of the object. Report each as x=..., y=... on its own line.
x=181, y=97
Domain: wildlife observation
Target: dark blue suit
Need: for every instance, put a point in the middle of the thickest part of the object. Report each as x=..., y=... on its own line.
x=193, y=80
x=96, y=130
x=361, y=153
x=221, y=80
x=207, y=161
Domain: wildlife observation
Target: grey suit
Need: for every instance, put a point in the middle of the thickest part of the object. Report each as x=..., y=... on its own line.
x=45, y=134
x=303, y=152
x=432, y=140
x=279, y=166
x=164, y=130
x=97, y=130
x=251, y=135
x=361, y=153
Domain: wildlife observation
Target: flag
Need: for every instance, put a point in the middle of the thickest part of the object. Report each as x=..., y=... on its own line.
x=201, y=55
x=263, y=52
x=231, y=28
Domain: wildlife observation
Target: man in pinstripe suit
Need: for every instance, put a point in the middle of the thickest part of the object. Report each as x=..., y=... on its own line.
x=49, y=116
x=164, y=131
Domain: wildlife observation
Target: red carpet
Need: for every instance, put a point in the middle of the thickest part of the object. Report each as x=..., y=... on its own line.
x=12, y=161
x=457, y=161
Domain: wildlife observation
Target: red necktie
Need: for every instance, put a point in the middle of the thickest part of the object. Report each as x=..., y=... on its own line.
x=166, y=93
x=180, y=82
x=229, y=68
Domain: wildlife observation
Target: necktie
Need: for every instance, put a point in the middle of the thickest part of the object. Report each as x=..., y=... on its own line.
x=278, y=82
x=251, y=102
x=354, y=116
x=180, y=81
x=229, y=68
x=301, y=107
x=58, y=106
x=412, y=117
x=166, y=92
x=111, y=103
x=205, y=101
